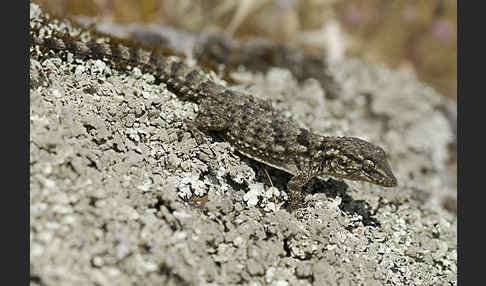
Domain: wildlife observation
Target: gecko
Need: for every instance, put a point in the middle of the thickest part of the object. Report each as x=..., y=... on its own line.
x=250, y=124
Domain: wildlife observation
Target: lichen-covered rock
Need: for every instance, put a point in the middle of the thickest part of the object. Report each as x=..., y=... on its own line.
x=121, y=193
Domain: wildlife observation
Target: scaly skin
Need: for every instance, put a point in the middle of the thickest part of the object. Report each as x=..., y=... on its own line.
x=250, y=124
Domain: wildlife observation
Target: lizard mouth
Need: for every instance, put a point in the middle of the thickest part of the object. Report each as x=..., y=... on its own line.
x=389, y=182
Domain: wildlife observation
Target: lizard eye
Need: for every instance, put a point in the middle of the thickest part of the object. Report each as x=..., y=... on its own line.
x=342, y=161
x=368, y=165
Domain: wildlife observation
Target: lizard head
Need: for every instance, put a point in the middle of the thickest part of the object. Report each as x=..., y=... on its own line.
x=355, y=159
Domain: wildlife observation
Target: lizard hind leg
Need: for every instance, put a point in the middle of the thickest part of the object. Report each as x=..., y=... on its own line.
x=294, y=188
x=212, y=116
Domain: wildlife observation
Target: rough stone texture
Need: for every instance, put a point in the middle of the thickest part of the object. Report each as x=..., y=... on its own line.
x=121, y=193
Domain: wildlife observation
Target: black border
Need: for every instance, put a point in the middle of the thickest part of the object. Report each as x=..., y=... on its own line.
x=22, y=222
x=15, y=137
x=19, y=244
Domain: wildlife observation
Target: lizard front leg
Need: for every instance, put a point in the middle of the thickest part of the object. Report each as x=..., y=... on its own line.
x=294, y=188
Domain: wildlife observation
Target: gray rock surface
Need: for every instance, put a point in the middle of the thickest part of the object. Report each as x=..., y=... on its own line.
x=121, y=194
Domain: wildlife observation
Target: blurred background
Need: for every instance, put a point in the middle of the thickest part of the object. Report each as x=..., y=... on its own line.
x=412, y=34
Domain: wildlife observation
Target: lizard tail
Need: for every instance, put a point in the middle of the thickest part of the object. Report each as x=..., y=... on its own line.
x=189, y=83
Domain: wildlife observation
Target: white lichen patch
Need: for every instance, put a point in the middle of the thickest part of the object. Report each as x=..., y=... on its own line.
x=270, y=199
